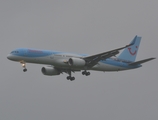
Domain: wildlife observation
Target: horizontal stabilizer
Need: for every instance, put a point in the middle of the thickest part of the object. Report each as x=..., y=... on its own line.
x=141, y=61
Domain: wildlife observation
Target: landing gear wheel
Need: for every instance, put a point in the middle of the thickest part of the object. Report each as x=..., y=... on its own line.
x=70, y=78
x=85, y=73
x=88, y=73
x=25, y=70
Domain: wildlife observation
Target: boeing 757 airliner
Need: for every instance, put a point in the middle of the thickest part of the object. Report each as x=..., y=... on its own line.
x=63, y=62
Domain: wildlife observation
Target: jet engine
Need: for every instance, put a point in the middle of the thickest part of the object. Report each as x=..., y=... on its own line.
x=76, y=62
x=49, y=71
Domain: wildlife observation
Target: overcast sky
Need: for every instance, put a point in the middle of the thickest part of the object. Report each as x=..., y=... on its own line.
x=78, y=26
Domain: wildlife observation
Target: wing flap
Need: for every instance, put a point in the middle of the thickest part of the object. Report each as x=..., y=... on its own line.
x=141, y=61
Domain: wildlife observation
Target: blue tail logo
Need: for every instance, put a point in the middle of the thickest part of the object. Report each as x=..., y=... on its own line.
x=130, y=53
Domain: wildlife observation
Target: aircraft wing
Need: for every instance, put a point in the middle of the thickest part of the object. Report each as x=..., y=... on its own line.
x=94, y=59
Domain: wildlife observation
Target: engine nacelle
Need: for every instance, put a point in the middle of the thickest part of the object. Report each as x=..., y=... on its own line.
x=76, y=62
x=49, y=71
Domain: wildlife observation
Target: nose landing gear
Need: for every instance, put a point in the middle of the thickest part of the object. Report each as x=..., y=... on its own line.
x=24, y=70
x=24, y=66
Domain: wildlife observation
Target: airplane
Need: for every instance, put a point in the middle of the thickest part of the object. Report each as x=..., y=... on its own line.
x=63, y=62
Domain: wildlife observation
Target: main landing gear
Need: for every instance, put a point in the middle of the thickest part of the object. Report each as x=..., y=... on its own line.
x=85, y=73
x=73, y=78
x=70, y=77
x=24, y=66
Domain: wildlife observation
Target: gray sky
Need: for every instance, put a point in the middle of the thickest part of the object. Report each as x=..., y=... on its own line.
x=80, y=26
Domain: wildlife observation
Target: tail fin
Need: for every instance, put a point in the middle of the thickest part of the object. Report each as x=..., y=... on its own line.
x=130, y=53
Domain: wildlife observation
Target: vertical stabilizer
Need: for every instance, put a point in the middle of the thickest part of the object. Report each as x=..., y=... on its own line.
x=130, y=53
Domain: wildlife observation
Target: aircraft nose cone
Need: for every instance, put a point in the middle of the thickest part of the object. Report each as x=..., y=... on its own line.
x=9, y=56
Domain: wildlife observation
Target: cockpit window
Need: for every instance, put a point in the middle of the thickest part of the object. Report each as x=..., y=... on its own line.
x=15, y=52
